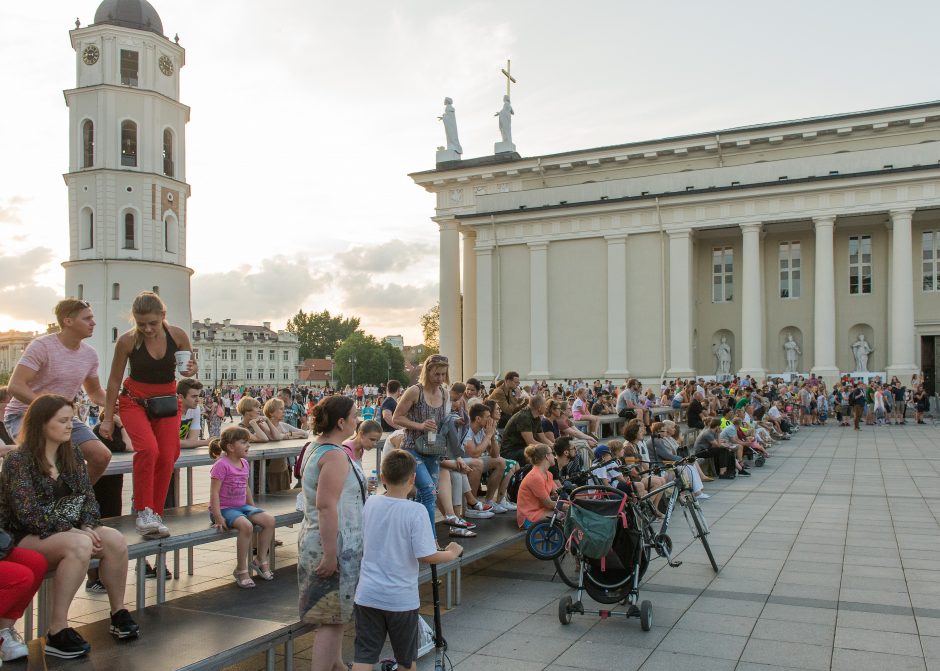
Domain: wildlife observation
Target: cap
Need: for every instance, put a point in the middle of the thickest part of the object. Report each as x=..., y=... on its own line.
x=600, y=451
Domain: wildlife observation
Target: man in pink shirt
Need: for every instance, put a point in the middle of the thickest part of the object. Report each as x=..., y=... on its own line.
x=61, y=363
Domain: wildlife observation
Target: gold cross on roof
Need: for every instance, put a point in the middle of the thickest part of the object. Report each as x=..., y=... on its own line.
x=509, y=78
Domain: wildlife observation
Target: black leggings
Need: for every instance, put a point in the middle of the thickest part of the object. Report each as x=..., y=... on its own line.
x=721, y=458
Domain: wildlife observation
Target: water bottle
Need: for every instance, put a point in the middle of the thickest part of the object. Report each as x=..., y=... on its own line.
x=373, y=482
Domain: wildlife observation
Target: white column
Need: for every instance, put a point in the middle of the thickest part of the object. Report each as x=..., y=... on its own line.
x=450, y=297
x=484, y=322
x=469, y=313
x=752, y=321
x=824, y=302
x=680, y=304
x=616, y=307
x=901, y=360
x=538, y=306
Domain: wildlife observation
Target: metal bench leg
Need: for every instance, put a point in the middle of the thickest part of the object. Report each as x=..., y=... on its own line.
x=161, y=577
x=190, y=561
x=289, y=655
x=273, y=547
x=459, y=580
x=28, y=621
x=450, y=590
x=176, y=564
x=270, y=659
x=45, y=607
x=141, y=584
x=263, y=477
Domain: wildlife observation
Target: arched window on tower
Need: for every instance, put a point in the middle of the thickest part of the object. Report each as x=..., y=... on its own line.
x=86, y=233
x=129, y=144
x=130, y=231
x=88, y=144
x=170, y=233
x=168, y=153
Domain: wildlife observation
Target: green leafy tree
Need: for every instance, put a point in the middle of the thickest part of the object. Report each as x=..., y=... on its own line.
x=431, y=328
x=375, y=361
x=320, y=333
x=4, y=376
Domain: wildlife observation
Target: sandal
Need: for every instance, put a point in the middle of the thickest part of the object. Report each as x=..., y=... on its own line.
x=458, y=522
x=244, y=583
x=261, y=571
x=458, y=532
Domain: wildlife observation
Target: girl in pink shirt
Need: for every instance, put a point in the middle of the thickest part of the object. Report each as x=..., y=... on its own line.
x=231, y=504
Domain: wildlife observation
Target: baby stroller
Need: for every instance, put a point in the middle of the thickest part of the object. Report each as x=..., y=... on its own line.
x=605, y=537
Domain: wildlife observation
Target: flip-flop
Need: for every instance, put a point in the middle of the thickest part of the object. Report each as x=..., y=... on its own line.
x=458, y=532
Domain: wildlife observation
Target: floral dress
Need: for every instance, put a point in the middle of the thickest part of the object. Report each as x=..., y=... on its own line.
x=215, y=422
x=330, y=600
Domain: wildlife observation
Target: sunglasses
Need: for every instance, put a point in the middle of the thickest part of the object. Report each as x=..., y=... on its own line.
x=438, y=358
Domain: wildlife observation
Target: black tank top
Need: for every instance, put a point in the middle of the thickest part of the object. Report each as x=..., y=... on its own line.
x=146, y=369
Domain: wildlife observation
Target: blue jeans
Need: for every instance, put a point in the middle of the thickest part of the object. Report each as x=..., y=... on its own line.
x=426, y=476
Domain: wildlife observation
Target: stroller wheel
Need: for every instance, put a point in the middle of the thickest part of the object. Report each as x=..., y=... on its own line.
x=760, y=461
x=564, y=610
x=646, y=615
x=545, y=541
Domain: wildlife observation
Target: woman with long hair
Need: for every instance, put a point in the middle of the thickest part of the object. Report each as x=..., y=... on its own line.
x=150, y=348
x=48, y=505
x=330, y=541
x=421, y=412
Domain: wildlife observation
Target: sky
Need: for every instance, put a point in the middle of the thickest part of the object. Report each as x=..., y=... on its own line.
x=308, y=116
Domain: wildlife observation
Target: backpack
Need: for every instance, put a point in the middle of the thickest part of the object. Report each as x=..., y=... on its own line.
x=512, y=489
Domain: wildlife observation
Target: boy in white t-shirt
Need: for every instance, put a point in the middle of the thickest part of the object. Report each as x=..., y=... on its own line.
x=397, y=535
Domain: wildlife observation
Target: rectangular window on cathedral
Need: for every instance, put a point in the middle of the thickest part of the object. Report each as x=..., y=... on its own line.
x=930, y=251
x=860, y=264
x=130, y=62
x=790, y=269
x=722, y=275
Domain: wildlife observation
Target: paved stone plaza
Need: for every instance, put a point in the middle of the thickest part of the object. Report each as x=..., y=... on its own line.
x=828, y=558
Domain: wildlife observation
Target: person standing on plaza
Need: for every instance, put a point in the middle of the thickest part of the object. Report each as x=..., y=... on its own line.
x=62, y=363
x=394, y=392
x=857, y=400
x=421, y=412
x=150, y=348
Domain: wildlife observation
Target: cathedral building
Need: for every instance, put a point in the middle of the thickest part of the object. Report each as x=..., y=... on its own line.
x=126, y=179
x=751, y=250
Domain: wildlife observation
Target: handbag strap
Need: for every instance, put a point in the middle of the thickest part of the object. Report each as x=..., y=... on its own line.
x=362, y=485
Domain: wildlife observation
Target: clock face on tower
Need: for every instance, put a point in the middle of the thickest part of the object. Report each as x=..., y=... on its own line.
x=166, y=65
x=90, y=54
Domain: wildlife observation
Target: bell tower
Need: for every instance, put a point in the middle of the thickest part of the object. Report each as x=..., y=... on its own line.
x=127, y=170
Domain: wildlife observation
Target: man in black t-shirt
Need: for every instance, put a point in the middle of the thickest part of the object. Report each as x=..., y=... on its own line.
x=523, y=429
x=389, y=405
x=857, y=401
x=694, y=412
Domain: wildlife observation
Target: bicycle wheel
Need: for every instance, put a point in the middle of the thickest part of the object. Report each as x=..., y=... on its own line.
x=701, y=530
x=545, y=541
x=567, y=567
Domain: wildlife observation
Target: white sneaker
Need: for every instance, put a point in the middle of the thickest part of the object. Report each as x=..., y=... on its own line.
x=147, y=524
x=162, y=530
x=497, y=508
x=702, y=497
x=507, y=504
x=478, y=514
x=13, y=645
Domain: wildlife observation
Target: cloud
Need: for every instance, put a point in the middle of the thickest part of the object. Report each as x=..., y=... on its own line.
x=20, y=269
x=21, y=298
x=274, y=290
x=362, y=295
x=10, y=210
x=385, y=257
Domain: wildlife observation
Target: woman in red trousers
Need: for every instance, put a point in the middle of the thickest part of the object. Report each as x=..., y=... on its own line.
x=151, y=349
x=21, y=574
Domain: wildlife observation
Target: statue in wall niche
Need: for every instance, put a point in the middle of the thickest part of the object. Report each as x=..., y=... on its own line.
x=723, y=353
x=791, y=349
x=505, y=120
x=861, y=350
x=450, y=126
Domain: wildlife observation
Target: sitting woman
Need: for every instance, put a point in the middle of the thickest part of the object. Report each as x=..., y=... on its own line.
x=664, y=450
x=21, y=574
x=48, y=505
x=253, y=421
x=534, y=499
x=582, y=412
x=567, y=428
x=277, y=471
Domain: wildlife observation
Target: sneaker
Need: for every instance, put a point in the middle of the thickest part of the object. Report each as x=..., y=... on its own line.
x=162, y=530
x=66, y=644
x=703, y=497
x=95, y=586
x=123, y=625
x=744, y=472
x=147, y=524
x=498, y=508
x=479, y=505
x=479, y=514
x=507, y=504
x=150, y=573
x=12, y=645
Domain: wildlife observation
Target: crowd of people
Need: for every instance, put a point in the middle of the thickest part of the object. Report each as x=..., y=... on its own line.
x=454, y=447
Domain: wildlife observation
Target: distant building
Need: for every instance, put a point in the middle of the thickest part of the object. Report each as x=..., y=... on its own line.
x=395, y=341
x=237, y=354
x=315, y=372
x=12, y=344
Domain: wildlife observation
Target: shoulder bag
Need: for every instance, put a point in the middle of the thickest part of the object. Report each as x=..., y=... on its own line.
x=426, y=448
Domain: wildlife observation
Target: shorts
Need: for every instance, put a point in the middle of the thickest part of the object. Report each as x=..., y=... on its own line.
x=509, y=465
x=81, y=432
x=232, y=514
x=372, y=625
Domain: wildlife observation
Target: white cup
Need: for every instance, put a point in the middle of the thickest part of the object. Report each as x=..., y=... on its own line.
x=182, y=360
x=432, y=437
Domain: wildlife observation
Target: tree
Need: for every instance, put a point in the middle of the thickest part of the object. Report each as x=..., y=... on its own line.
x=4, y=376
x=431, y=328
x=320, y=333
x=375, y=361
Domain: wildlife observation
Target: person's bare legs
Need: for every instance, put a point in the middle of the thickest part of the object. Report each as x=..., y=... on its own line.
x=445, y=500
x=112, y=571
x=327, y=649
x=475, y=476
x=266, y=522
x=245, y=530
x=495, y=478
x=97, y=456
x=68, y=552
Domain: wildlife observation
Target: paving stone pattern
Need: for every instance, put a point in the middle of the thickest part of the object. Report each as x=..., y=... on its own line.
x=828, y=555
